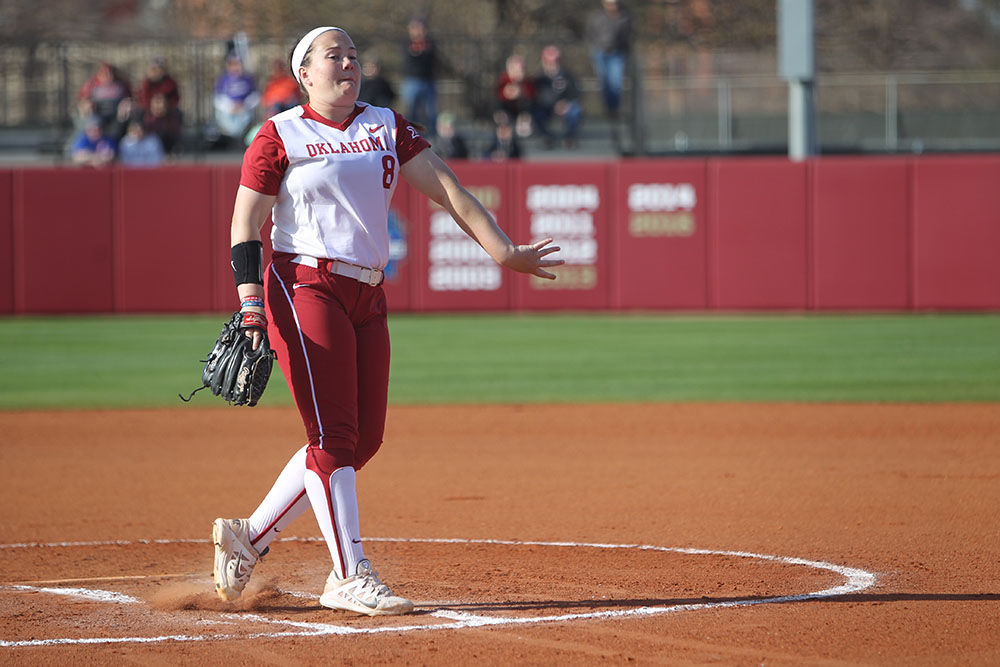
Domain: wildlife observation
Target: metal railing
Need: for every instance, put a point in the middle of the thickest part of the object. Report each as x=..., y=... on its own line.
x=885, y=112
x=857, y=112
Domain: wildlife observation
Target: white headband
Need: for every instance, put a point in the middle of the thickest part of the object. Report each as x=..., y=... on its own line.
x=299, y=52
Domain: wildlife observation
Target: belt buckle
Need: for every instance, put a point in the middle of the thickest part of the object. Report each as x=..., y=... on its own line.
x=373, y=279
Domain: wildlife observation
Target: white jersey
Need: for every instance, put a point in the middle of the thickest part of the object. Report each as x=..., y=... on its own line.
x=333, y=181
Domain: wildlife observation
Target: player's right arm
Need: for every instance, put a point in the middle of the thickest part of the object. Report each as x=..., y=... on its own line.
x=249, y=215
x=263, y=168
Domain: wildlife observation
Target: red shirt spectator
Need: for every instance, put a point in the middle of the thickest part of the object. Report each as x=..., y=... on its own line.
x=515, y=91
x=105, y=90
x=515, y=95
x=158, y=81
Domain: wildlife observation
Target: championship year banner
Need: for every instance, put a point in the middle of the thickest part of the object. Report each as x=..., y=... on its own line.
x=451, y=271
x=571, y=203
x=661, y=240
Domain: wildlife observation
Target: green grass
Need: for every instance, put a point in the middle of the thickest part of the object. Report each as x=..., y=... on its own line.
x=133, y=361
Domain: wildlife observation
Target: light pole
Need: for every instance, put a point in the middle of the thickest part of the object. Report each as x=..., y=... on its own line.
x=796, y=64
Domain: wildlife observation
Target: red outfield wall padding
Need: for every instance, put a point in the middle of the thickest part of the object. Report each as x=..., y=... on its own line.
x=6, y=242
x=829, y=233
x=758, y=222
x=225, y=182
x=956, y=218
x=661, y=239
x=63, y=241
x=571, y=203
x=164, y=240
x=450, y=271
x=219, y=218
x=860, y=233
x=398, y=274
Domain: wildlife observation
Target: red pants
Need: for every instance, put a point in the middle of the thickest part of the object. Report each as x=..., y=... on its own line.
x=332, y=340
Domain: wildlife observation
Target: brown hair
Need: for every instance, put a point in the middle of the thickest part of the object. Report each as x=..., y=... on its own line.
x=304, y=63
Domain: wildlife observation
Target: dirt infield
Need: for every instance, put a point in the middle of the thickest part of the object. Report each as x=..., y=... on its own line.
x=667, y=533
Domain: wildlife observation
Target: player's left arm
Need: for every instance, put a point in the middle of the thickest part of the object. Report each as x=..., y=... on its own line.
x=428, y=173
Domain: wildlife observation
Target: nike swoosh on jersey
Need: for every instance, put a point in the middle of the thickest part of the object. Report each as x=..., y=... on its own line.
x=373, y=128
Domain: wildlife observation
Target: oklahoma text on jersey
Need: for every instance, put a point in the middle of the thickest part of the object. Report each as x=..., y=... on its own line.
x=363, y=146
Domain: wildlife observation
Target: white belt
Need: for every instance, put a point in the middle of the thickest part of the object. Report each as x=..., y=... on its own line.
x=362, y=274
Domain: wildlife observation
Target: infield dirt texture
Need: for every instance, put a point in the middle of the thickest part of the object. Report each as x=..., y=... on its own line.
x=899, y=500
x=527, y=533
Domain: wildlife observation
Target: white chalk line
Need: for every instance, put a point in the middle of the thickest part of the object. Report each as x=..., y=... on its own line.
x=128, y=577
x=102, y=543
x=82, y=593
x=855, y=580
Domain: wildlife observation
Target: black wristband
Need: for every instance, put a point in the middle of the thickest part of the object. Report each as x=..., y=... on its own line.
x=247, y=258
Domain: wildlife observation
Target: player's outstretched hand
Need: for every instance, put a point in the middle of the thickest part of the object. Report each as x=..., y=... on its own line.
x=531, y=259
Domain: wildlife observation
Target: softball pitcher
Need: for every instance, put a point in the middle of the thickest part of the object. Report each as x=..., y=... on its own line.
x=326, y=172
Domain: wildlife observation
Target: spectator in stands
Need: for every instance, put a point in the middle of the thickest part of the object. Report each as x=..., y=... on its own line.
x=557, y=95
x=235, y=101
x=449, y=144
x=165, y=122
x=127, y=112
x=82, y=114
x=505, y=145
x=420, y=65
x=104, y=91
x=515, y=95
x=158, y=82
x=609, y=34
x=375, y=88
x=139, y=148
x=281, y=91
x=92, y=147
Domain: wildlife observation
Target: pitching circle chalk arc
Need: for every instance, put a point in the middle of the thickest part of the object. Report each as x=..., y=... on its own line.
x=855, y=580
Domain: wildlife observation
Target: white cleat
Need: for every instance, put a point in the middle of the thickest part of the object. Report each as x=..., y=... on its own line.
x=235, y=557
x=363, y=593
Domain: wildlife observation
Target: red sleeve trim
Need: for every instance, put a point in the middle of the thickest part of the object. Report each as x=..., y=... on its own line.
x=409, y=142
x=265, y=161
